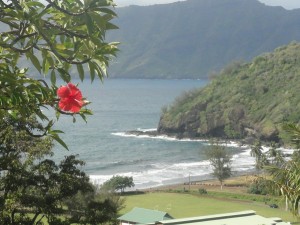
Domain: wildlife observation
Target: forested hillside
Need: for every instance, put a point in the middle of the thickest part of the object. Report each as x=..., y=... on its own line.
x=246, y=100
x=193, y=38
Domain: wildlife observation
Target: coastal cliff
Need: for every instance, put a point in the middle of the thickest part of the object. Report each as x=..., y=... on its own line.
x=244, y=101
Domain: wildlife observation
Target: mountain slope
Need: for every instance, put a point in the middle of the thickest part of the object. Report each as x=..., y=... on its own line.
x=249, y=100
x=190, y=39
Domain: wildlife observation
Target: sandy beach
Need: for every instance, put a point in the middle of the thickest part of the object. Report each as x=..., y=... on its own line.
x=237, y=183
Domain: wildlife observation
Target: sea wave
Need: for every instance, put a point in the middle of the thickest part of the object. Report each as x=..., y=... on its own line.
x=148, y=133
x=152, y=174
x=161, y=137
x=161, y=174
x=108, y=165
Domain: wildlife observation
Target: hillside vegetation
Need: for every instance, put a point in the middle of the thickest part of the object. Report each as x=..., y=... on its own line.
x=246, y=100
x=193, y=38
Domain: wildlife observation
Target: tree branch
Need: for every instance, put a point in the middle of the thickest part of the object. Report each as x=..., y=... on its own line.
x=65, y=11
x=66, y=32
x=52, y=48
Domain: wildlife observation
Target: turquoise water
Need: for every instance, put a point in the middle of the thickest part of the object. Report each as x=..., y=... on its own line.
x=120, y=105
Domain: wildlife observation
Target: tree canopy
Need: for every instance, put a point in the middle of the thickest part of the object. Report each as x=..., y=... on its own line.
x=118, y=183
x=246, y=101
x=34, y=188
x=285, y=176
x=42, y=40
x=220, y=160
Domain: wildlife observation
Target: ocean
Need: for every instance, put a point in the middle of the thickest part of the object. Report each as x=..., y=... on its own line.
x=120, y=105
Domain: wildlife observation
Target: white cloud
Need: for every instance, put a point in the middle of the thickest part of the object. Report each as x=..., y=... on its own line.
x=288, y=4
x=142, y=2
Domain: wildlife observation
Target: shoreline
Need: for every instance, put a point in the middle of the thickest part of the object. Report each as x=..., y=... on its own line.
x=153, y=133
x=204, y=181
x=162, y=176
x=141, y=183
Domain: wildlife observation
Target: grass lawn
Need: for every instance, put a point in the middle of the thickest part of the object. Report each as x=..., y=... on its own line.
x=180, y=205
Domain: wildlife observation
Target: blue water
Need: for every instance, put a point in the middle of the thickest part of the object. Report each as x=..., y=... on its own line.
x=120, y=105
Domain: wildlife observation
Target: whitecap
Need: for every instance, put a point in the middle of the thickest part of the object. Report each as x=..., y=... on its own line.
x=160, y=137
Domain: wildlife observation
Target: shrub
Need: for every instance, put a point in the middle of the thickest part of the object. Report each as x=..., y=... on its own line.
x=202, y=191
x=258, y=188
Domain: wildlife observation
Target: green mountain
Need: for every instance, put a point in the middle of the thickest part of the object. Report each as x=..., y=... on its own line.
x=245, y=101
x=194, y=38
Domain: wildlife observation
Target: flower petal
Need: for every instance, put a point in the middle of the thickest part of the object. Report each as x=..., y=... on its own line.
x=76, y=95
x=64, y=105
x=70, y=105
x=63, y=92
x=70, y=98
x=75, y=108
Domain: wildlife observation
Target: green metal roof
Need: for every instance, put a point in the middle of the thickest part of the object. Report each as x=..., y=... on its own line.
x=144, y=216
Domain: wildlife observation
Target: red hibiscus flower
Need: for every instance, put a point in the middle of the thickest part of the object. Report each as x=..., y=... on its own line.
x=70, y=98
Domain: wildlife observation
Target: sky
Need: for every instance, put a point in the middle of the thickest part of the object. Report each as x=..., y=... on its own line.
x=287, y=4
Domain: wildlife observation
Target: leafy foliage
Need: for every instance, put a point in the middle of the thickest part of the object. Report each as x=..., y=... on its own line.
x=220, y=160
x=286, y=176
x=50, y=38
x=31, y=183
x=285, y=179
x=250, y=100
x=33, y=187
x=284, y=172
x=259, y=187
x=202, y=191
x=256, y=152
x=93, y=207
x=118, y=183
x=40, y=42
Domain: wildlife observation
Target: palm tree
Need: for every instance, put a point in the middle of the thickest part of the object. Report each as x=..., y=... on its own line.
x=275, y=155
x=293, y=134
x=256, y=151
x=286, y=177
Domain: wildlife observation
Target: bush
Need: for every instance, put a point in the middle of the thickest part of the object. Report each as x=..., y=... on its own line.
x=202, y=191
x=258, y=188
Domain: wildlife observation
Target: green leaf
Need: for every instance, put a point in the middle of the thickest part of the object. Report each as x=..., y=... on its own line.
x=100, y=68
x=101, y=23
x=55, y=136
x=64, y=75
x=100, y=73
x=58, y=131
x=60, y=46
x=83, y=117
x=107, y=11
x=53, y=77
x=80, y=71
x=50, y=60
x=45, y=66
x=35, y=4
x=89, y=24
x=34, y=61
x=92, y=70
x=86, y=112
x=111, y=26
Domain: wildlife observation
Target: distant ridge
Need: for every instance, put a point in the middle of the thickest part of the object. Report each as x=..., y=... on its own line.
x=194, y=38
